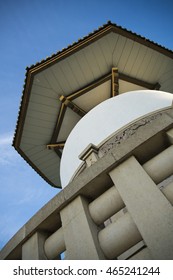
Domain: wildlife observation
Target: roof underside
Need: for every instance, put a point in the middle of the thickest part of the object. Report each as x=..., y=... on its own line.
x=62, y=89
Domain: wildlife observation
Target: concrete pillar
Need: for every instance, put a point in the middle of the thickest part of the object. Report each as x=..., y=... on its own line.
x=161, y=166
x=33, y=248
x=80, y=232
x=105, y=205
x=168, y=192
x=54, y=244
x=170, y=135
x=149, y=208
x=119, y=236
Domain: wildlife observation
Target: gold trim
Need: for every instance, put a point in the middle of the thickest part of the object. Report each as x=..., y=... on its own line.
x=115, y=75
x=115, y=82
x=56, y=145
x=58, y=123
x=67, y=102
x=138, y=82
x=89, y=87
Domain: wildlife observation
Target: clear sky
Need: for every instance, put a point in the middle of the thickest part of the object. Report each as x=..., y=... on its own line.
x=29, y=32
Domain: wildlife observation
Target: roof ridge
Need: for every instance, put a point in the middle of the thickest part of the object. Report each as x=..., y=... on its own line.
x=94, y=32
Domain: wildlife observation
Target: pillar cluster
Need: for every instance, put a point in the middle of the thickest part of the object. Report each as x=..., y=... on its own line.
x=119, y=207
x=132, y=219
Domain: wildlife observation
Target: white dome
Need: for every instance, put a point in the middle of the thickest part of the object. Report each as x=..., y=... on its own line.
x=105, y=119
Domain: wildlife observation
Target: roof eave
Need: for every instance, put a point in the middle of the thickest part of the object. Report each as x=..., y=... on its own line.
x=40, y=66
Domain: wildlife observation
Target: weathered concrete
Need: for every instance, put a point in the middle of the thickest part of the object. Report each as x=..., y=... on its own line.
x=149, y=208
x=80, y=232
x=55, y=245
x=33, y=248
x=144, y=254
x=169, y=133
x=168, y=192
x=145, y=141
x=119, y=236
x=105, y=206
x=161, y=166
x=132, y=251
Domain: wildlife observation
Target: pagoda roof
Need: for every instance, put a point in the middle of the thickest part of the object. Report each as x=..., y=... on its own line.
x=61, y=89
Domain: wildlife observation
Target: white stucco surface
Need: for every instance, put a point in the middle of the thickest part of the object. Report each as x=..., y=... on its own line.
x=104, y=120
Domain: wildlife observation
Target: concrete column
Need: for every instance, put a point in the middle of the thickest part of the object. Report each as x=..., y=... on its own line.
x=54, y=244
x=106, y=205
x=170, y=135
x=161, y=166
x=119, y=236
x=149, y=208
x=80, y=232
x=168, y=192
x=33, y=248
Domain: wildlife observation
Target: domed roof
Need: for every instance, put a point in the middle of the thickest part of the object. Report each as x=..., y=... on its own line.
x=104, y=120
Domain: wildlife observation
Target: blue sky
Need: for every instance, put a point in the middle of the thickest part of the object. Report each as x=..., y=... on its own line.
x=29, y=32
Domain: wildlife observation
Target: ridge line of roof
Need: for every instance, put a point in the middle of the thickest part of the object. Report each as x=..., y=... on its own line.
x=80, y=40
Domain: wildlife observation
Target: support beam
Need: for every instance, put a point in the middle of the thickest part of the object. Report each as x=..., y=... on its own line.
x=56, y=145
x=33, y=248
x=55, y=245
x=68, y=101
x=72, y=105
x=58, y=123
x=115, y=75
x=161, y=166
x=106, y=205
x=149, y=208
x=80, y=232
x=119, y=236
x=138, y=82
x=169, y=134
x=115, y=82
x=90, y=86
x=168, y=192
